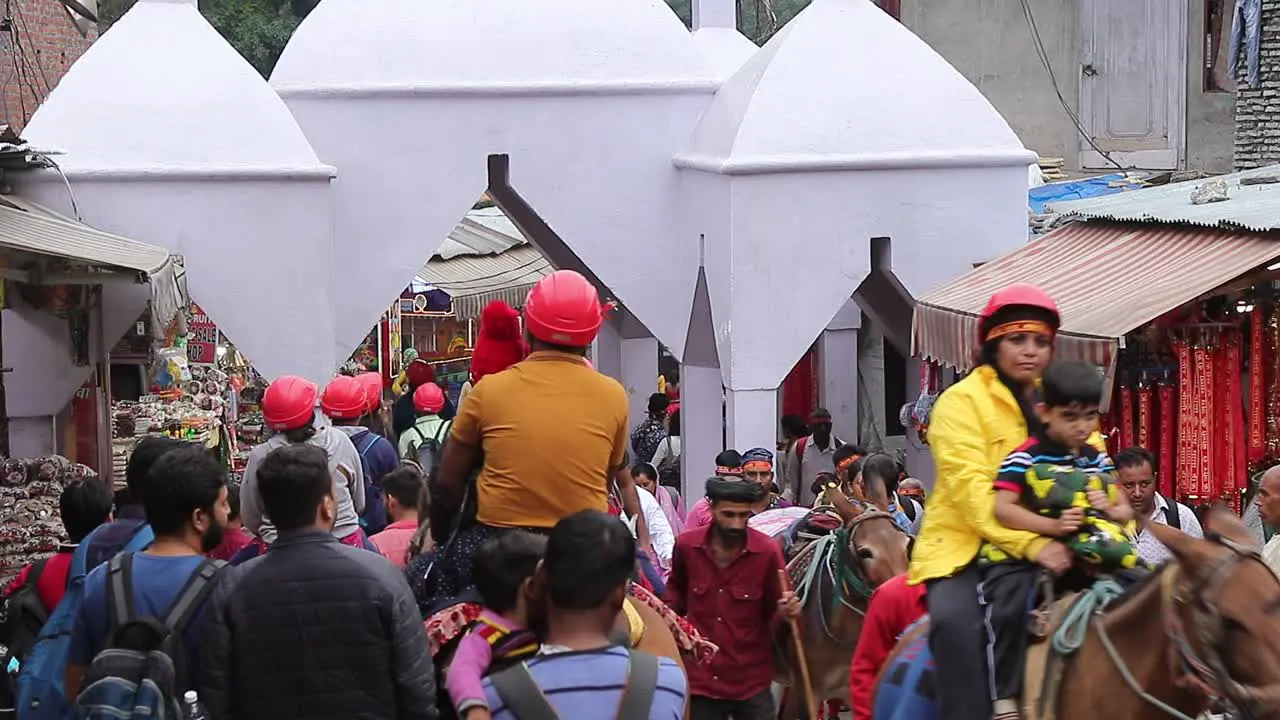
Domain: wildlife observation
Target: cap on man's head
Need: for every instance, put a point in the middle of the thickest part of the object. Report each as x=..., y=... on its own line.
x=758, y=459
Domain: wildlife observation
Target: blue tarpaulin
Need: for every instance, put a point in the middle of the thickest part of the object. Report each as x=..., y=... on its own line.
x=1076, y=190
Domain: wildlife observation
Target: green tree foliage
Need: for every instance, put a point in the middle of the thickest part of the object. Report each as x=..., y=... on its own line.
x=258, y=29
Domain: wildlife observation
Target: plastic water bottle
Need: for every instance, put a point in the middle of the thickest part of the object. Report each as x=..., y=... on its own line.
x=192, y=709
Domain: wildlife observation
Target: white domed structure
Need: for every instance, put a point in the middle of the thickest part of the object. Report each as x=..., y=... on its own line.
x=724, y=49
x=587, y=98
x=843, y=128
x=167, y=135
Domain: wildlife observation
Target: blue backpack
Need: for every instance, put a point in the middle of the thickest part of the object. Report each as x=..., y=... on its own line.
x=41, y=693
x=374, y=517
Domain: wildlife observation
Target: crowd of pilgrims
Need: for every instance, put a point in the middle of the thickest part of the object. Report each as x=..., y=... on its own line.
x=308, y=590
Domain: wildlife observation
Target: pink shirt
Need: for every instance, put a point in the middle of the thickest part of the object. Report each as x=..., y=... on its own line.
x=699, y=515
x=393, y=542
x=464, y=679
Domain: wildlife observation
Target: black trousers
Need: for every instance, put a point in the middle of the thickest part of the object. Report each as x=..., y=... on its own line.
x=757, y=707
x=957, y=640
x=1005, y=595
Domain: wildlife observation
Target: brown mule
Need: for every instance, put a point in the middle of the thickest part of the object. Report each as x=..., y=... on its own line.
x=875, y=551
x=1205, y=625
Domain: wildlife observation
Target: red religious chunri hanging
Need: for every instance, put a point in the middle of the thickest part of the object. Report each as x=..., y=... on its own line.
x=1273, y=384
x=1188, y=465
x=1228, y=422
x=1146, y=416
x=1166, y=453
x=1127, y=438
x=1203, y=487
x=1257, y=386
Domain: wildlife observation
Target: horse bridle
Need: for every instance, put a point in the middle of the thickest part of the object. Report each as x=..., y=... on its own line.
x=1207, y=670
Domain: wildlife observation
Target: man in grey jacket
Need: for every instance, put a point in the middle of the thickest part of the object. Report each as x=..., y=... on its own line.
x=313, y=629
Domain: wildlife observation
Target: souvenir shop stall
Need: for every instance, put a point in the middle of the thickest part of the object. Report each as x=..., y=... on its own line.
x=201, y=390
x=1184, y=322
x=30, y=524
x=1199, y=389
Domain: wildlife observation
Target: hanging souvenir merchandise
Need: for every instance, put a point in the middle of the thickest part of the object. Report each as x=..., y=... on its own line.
x=1258, y=379
x=1127, y=438
x=1146, y=415
x=1168, y=431
x=1229, y=443
x=30, y=524
x=191, y=411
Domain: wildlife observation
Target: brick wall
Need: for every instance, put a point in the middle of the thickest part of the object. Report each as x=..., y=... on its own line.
x=1257, y=140
x=38, y=43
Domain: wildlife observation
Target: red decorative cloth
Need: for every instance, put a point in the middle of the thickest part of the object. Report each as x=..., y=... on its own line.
x=1188, y=466
x=1257, y=385
x=691, y=643
x=448, y=624
x=499, y=344
x=1127, y=437
x=1168, y=431
x=1146, y=416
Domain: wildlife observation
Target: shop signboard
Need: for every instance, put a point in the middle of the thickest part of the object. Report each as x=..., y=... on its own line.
x=202, y=337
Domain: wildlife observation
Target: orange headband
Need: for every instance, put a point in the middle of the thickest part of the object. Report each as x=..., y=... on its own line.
x=725, y=470
x=1035, y=327
x=847, y=462
x=757, y=465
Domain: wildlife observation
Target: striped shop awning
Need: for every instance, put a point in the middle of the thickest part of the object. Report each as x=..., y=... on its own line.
x=1108, y=279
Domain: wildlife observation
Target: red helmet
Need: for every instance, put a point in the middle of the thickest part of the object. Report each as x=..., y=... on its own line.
x=428, y=398
x=1017, y=294
x=564, y=309
x=344, y=398
x=289, y=403
x=371, y=382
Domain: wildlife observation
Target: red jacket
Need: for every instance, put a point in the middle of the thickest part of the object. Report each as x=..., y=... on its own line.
x=891, y=610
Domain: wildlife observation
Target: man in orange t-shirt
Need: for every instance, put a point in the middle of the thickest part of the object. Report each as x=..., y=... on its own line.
x=547, y=435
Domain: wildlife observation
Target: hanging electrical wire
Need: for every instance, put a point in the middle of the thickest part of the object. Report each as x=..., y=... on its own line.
x=1038, y=43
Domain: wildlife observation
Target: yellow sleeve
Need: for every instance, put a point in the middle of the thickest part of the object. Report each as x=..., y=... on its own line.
x=957, y=441
x=397, y=386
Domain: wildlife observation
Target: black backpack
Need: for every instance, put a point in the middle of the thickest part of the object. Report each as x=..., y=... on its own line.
x=142, y=673
x=524, y=699
x=425, y=451
x=23, y=615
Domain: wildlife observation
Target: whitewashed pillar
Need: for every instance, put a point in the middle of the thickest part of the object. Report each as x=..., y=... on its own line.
x=715, y=14
x=639, y=365
x=701, y=428
x=606, y=352
x=752, y=417
x=838, y=370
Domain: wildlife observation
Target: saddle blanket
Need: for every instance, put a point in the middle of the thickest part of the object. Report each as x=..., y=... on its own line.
x=446, y=625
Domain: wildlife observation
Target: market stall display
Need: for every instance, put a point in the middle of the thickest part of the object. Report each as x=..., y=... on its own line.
x=190, y=408
x=30, y=524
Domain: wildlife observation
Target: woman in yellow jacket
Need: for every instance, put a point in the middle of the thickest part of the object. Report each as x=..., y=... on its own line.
x=974, y=425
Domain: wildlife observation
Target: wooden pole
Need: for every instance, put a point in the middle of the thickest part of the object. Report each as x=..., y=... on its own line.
x=806, y=685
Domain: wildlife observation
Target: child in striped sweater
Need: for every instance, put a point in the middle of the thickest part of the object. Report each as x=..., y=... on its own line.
x=501, y=567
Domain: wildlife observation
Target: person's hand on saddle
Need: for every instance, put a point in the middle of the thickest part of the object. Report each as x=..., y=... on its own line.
x=1055, y=557
x=1069, y=521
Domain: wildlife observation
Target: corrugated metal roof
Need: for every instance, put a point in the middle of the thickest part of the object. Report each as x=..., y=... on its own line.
x=1248, y=207
x=484, y=231
x=1178, y=264
x=44, y=234
x=475, y=280
x=30, y=229
x=471, y=275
